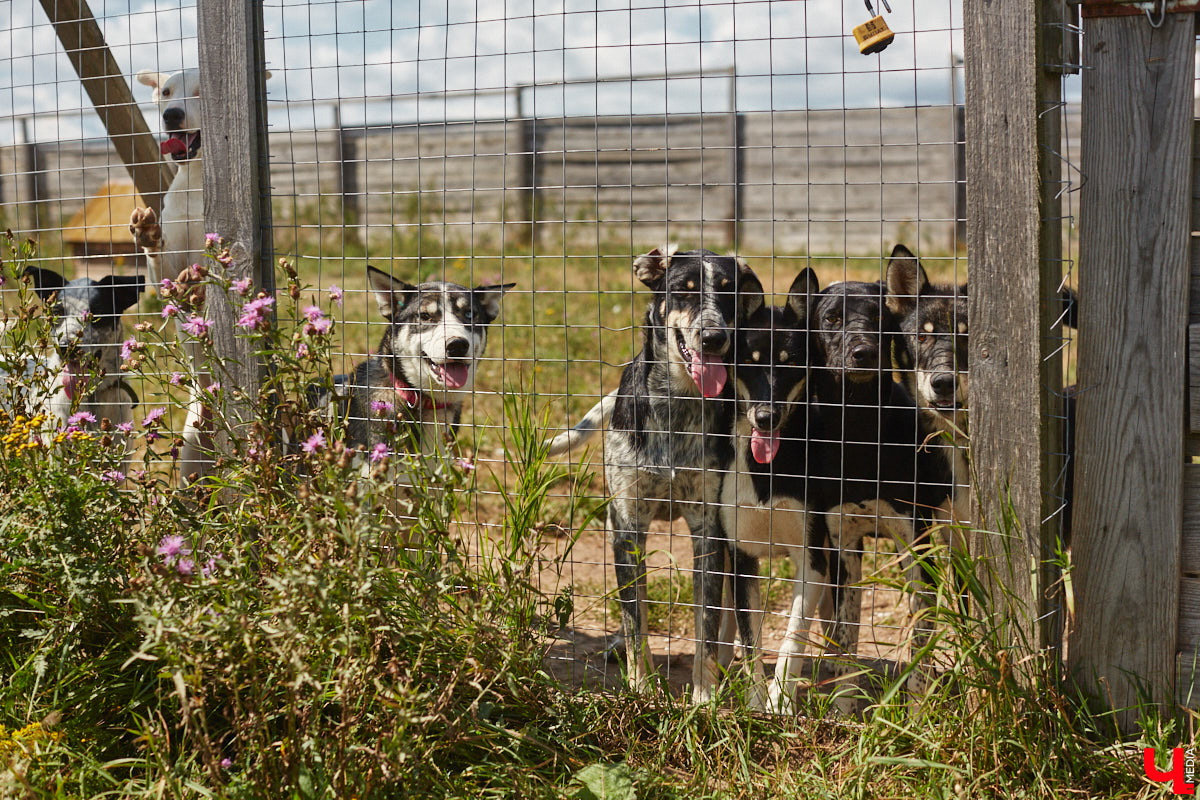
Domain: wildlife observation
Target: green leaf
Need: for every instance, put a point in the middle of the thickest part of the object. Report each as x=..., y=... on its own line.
x=605, y=782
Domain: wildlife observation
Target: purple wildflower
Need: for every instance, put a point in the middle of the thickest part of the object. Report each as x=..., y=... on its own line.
x=381, y=407
x=242, y=286
x=465, y=464
x=170, y=310
x=153, y=417
x=302, y=350
x=313, y=313
x=176, y=378
x=186, y=566
x=207, y=570
x=197, y=326
x=172, y=546
x=125, y=427
x=166, y=286
x=335, y=294
x=80, y=417
x=254, y=313
x=226, y=763
x=113, y=476
x=314, y=443
x=379, y=453
x=128, y=347
x=212, y=238
x=318, y=327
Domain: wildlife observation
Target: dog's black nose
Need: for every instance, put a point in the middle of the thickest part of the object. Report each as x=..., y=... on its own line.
x=713, y=340
x=943, y=384
x=864, y=356
x=766, y=418
x=458, y=347
x=173, y=117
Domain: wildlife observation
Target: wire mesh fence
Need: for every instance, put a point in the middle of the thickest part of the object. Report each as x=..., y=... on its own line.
x=488, y=144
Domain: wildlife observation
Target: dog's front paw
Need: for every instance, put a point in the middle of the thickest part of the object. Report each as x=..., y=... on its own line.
x=147, y=233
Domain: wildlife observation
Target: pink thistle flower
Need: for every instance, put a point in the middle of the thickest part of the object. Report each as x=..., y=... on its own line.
x=153, y=417
x=128, y=347
x=226, y=763
x=465, y=464
x=185, y=566
x=314, y=443
x=212, y=238
x=80, y=417
x=113, y=476
x=379, y=453
x=381, y=407
x=214, y=387
x=313, y=313
x=335, y=294
x=302, y=350
x=176, y=378
x=318, y=327
x=207, y=570
x=125, y=427
x=254, y=313
x=242, y=286
x=166, y=286
x=170, y=310
x=171, y=547
x=196, y=325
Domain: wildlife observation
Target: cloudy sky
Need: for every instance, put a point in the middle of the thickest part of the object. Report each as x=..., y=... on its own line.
x=395, y=60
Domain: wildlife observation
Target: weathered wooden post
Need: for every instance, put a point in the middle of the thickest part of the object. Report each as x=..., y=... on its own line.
x=236, y=202
x=111, y=96
x=1134, y=246
x=1014, y=227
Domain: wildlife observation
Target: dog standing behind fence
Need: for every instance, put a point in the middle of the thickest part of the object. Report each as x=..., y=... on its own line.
x=669, y=441
x=424, y=367
x=84, y=366
x=176, y=242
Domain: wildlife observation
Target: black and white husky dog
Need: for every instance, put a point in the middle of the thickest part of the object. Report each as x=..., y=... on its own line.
x=84, y=368
x=769, y=503
x=424, y=367
x=667, y=442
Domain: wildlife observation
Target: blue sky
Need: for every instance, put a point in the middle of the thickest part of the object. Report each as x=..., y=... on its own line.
x=392, y=60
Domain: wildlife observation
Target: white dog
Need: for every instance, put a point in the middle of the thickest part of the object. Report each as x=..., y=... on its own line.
x=176, y=242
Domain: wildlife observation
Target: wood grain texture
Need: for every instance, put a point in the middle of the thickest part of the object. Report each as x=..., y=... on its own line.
x=1134, y=243
x=1189, y=553
x=111, y=96
x=1004, y=197
x=236, y=203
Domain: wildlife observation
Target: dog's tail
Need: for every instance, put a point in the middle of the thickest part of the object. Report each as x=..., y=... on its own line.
x=594, y=420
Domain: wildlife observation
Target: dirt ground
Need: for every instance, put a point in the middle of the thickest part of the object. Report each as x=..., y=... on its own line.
x=580, y=659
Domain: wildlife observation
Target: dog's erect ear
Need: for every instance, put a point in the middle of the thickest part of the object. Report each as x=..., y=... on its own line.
x=392, y=295
x=45, y=282
x=802, y=296
x=266, y=75
x=906, y=279
x=489, y=298
x=651, y=267
x=750, y=290
x=122, y=292
x=155, y=80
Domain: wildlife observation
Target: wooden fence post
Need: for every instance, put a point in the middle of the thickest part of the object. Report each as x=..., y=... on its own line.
x=1013, y=228
x=111, y=96
x=237, y=205
x=1133, y=306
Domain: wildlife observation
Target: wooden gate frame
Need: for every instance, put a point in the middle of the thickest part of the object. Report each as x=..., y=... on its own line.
x=1134, y=223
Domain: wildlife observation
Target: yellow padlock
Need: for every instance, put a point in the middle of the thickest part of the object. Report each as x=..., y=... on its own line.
x=873, y=35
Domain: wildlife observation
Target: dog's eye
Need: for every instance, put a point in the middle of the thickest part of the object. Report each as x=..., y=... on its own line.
x=166, y=92
x=922, y=337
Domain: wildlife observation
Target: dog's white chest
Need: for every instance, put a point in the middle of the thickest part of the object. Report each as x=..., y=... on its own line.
x=183, y=220
x=756, y=527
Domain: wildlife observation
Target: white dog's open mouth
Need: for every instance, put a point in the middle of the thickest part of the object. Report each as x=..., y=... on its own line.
x=181, y=145
x=451, y=374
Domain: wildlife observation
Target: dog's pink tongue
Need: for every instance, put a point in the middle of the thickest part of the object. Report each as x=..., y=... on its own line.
x=455, y=375
x=709, y=374
x=172, y=146
x=764, y=446
x=71, y=380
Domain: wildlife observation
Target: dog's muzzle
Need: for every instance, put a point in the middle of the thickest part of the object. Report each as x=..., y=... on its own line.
x=764, y=433
x=181, y=145
x=706, y=367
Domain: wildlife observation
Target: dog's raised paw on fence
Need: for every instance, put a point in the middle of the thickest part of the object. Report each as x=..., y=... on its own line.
x=147, y=233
